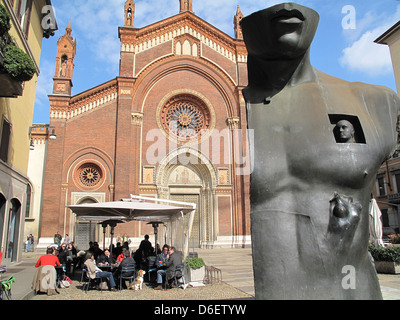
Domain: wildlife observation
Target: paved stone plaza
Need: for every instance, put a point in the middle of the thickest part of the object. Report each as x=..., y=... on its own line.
x=237, y=281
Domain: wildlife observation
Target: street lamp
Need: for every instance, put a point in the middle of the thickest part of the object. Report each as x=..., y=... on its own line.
x=46, y=131
x=52, y=136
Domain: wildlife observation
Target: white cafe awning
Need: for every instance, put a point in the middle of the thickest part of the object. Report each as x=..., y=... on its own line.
x=137, y=208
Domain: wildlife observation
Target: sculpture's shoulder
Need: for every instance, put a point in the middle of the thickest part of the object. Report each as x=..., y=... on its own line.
x=376, y=106
x=374, y=95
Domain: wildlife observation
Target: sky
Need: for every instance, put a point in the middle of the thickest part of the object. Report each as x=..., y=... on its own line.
x=343, y=46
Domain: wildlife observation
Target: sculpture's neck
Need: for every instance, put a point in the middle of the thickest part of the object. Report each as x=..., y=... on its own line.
x=269, y=77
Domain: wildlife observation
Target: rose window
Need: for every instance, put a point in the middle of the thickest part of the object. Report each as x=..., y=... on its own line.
x=89, y=175
x=184, y=117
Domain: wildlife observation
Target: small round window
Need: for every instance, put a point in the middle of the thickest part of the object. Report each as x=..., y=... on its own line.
x=184, y=116
x=89, y=175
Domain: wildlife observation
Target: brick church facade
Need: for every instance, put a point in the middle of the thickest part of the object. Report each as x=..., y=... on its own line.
x=165, y=127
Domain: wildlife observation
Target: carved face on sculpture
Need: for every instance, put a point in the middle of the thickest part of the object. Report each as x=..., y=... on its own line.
x=284, y=31
x=344, y=131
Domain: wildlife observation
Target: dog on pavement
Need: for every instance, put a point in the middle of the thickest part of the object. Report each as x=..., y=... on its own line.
x=138, y=283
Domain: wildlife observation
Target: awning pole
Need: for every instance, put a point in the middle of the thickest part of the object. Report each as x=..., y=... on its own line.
x=193, y=205
x=190, y=225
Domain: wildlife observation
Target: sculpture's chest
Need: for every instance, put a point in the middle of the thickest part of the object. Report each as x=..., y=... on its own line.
x=294, y=137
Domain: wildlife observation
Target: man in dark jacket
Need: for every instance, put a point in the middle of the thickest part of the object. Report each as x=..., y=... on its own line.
x=173, y=260
x=128, y=262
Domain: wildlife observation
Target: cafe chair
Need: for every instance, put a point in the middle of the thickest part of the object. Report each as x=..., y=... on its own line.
x=82, y=275
x=60, y=274
x=98, y=281
x=127, y=273
x=179, y=274
x=152, y=265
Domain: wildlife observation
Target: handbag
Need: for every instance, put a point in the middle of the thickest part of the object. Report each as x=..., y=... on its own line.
x=103, y=286
x=65, y=278
x=64, y=284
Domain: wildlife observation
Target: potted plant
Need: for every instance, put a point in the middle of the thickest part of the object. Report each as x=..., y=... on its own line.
x=195, y=269
x=15, y=65
x=4, y=28
x=386, y=259
x=4, y=21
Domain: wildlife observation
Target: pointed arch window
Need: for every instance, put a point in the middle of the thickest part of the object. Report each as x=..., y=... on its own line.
x=178, y=50
x=63, y=66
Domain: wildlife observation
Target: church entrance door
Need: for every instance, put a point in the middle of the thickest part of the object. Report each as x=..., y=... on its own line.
x=194, y=241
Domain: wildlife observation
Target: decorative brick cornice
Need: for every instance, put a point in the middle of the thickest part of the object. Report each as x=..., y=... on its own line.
x=86, y=101
x=139, y=40
x=39, y=133
x=224, y=190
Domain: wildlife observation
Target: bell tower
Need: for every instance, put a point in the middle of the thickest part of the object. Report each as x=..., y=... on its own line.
x=236, y=22
x=66, y=50
x=129, y=13
x=186, y=5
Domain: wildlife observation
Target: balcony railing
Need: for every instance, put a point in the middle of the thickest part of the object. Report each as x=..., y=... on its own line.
x=394, y=198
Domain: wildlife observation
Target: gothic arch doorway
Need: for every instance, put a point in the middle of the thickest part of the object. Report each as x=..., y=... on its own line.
x=187, y=175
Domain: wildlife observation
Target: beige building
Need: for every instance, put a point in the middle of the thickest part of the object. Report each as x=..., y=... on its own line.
x=16, y=113
x=40, y=134
x=387, y=188
x=392, y=38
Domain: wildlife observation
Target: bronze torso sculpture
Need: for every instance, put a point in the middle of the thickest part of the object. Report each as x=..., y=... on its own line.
x=310, y=187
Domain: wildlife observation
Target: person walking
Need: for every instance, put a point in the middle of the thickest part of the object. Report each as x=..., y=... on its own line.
x=29, y=242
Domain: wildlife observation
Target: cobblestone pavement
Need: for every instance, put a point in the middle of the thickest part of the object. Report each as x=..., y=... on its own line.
x=217, y=291
x=237, y=277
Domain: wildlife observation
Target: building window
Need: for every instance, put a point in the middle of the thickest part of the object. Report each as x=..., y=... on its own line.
x=397, y=179
x=24, y=15
x=5, y=140
x=28, y=200
x=381, y=186
x=184, y=116
x=385, y=218
x=89, y=176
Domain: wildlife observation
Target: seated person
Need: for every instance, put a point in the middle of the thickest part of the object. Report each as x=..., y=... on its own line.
x=96, y=250
x=117, y=251
x=62, y=253
x=94, y=272
x=163, y=256
x=128, y=262
x=173, y=260
x=49, y=259
x=105, y=258
x=122, y=255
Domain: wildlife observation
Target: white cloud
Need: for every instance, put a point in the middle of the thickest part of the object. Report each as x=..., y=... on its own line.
x=94, y=22
x=365, y=56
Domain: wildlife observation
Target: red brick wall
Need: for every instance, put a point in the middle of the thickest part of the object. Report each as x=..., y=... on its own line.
x=224, y=216
x=108, y=135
